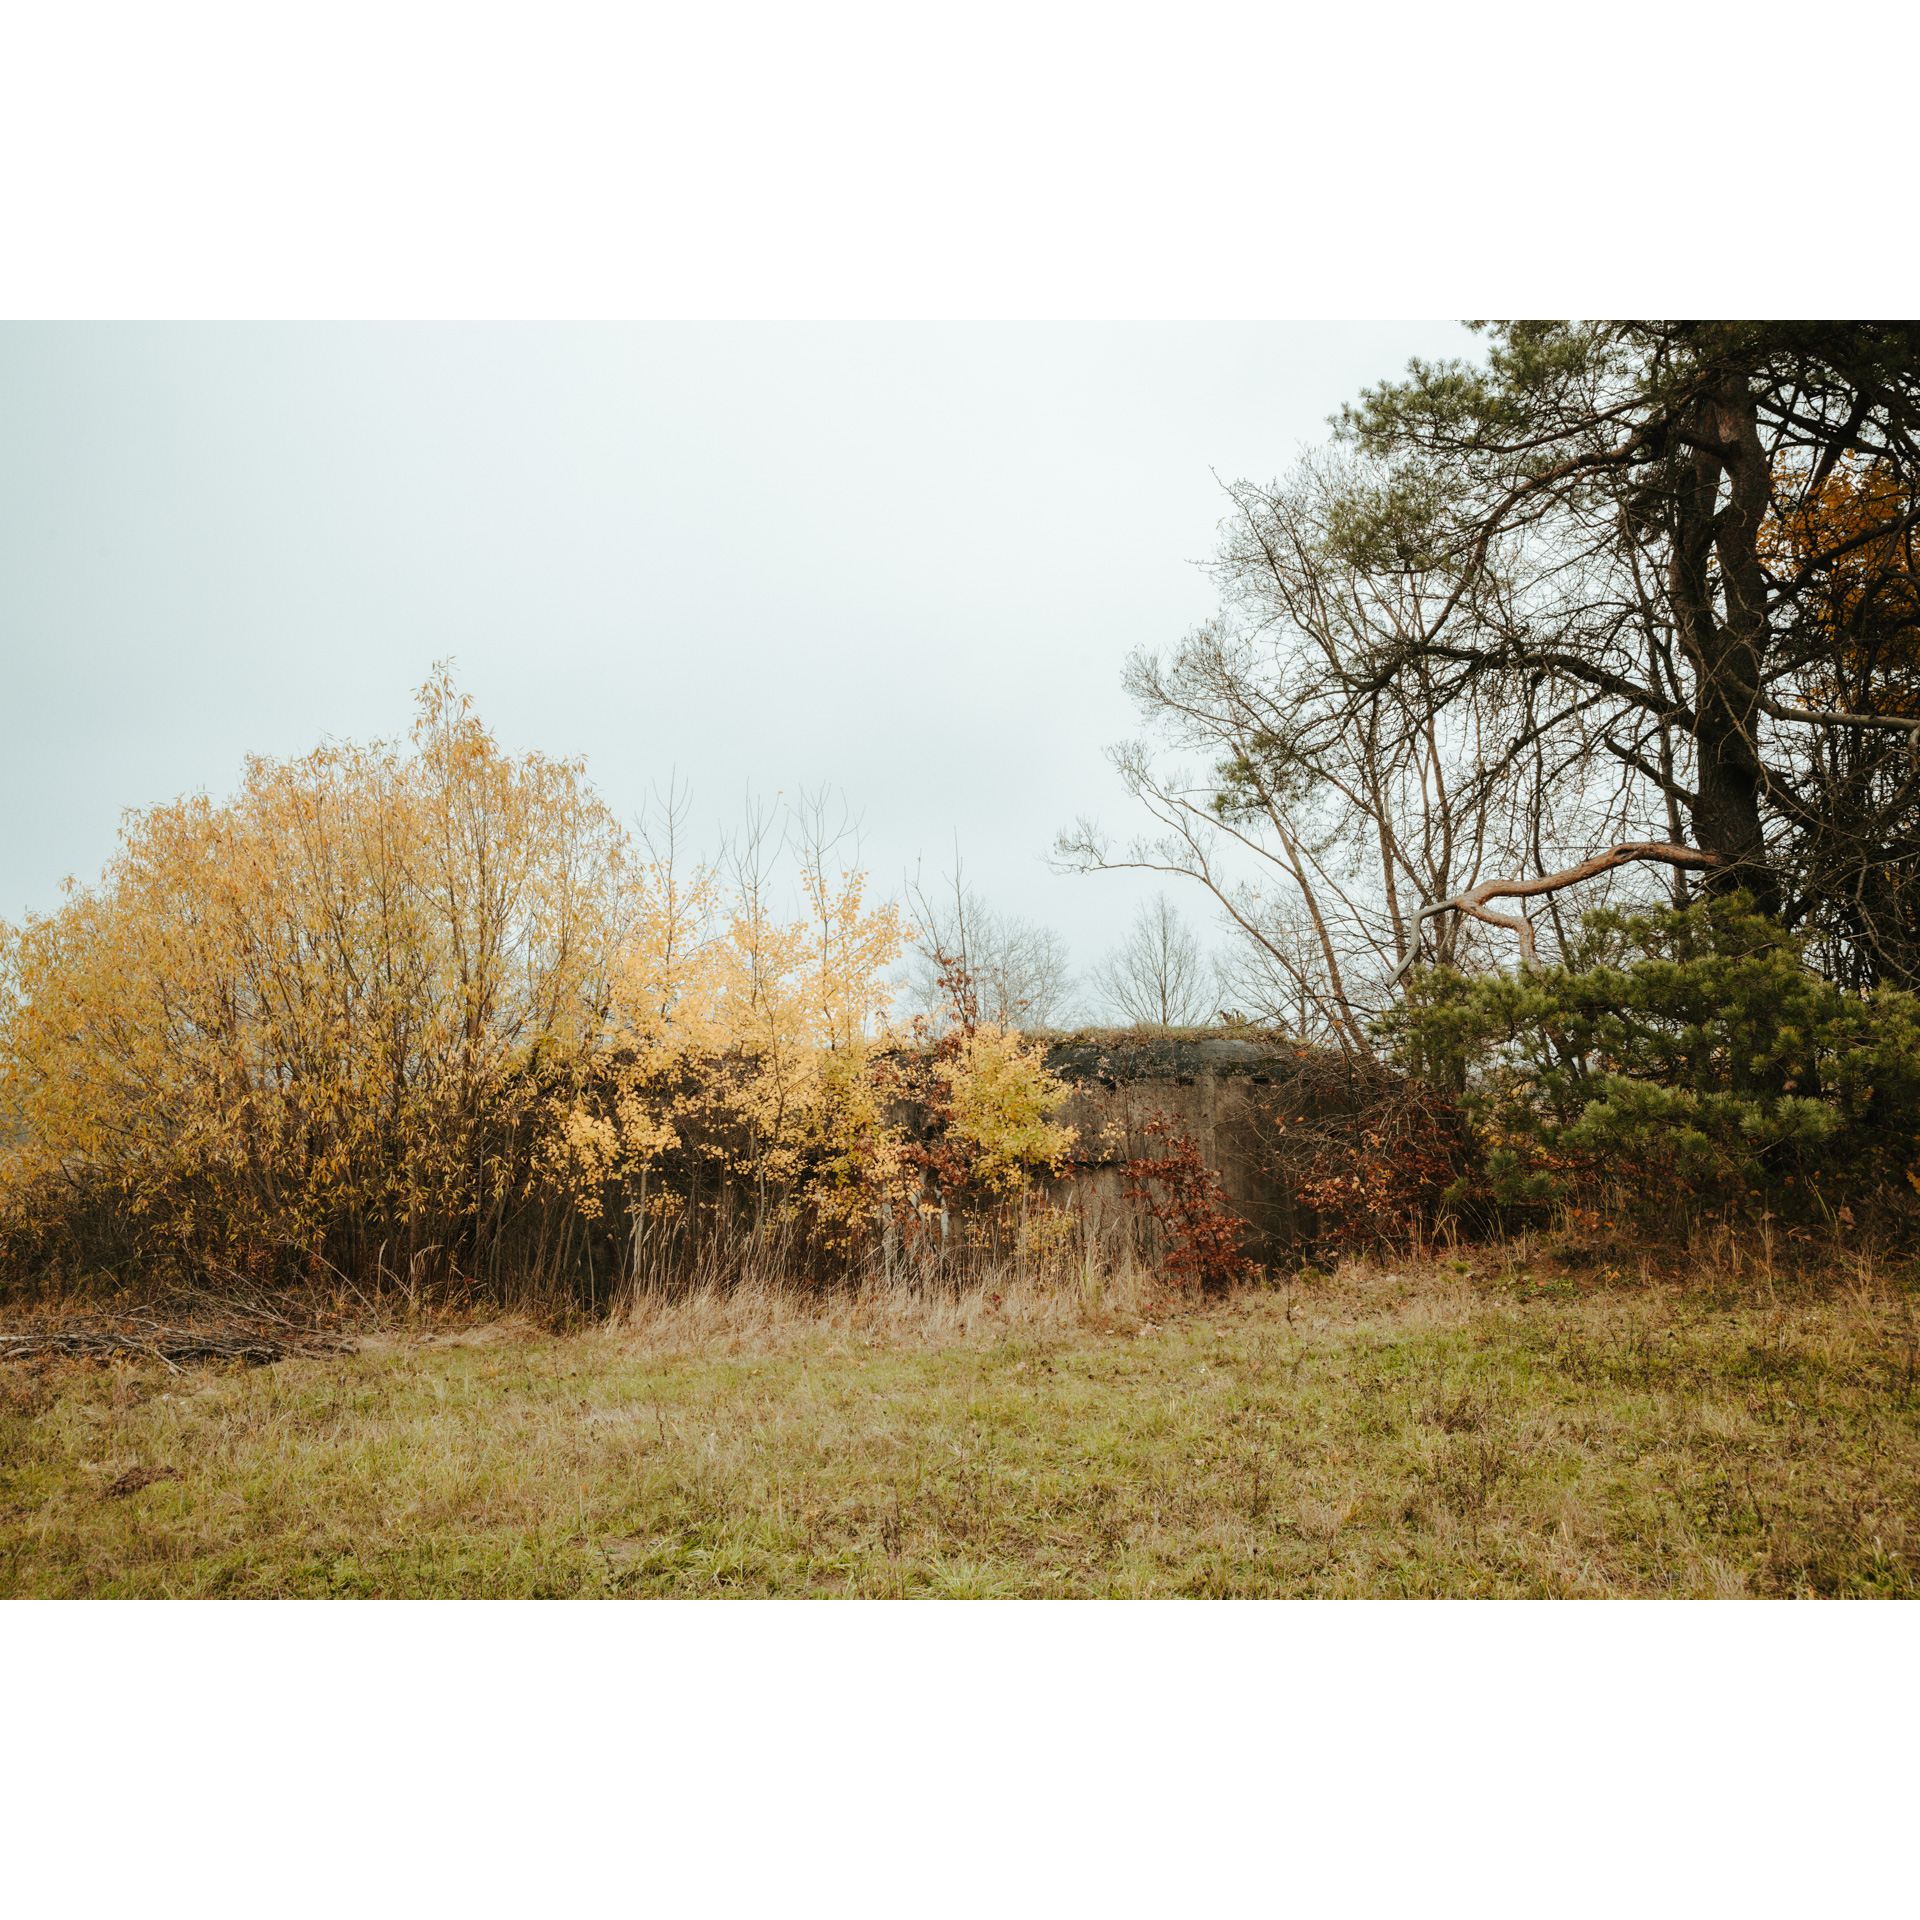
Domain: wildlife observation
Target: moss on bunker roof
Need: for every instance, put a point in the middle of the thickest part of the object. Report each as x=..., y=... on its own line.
x=1162, y=1053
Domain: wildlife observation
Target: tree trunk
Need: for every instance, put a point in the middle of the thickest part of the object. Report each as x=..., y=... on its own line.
x=1724, y=652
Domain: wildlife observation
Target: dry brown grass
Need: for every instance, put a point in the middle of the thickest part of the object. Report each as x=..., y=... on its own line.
x=1507, y=1424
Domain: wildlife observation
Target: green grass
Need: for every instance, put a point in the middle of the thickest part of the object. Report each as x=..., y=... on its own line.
x=1385, y=1433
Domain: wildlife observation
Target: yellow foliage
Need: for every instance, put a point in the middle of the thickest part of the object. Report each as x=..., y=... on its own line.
x=1000, y=1096
x=303, y=1001
x=389, y=1002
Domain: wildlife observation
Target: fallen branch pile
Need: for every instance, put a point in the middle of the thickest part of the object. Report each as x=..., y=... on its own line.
x=268, y=1338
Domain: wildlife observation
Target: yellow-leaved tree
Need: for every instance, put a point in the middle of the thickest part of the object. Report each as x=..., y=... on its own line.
x=414, y=1013
x=294, y=1023
x=738, y=1079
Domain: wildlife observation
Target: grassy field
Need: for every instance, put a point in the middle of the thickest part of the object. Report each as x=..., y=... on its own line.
x=1501, y=1425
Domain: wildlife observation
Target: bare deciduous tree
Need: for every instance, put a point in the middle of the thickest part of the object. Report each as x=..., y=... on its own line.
x=1317, y=812
x=1020, y=972
x=1635, y=600
x=1270, y=982
x=1158, y=977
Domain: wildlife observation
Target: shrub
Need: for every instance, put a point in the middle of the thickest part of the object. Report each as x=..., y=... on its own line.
x=1398, y=1170
x=419, y=1013
x=1684, y=1054
x=1183, y=1194
x=979, y=1102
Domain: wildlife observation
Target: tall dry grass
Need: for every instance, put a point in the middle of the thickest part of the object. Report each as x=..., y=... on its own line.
x=1530, y=1419
x=755, y=1308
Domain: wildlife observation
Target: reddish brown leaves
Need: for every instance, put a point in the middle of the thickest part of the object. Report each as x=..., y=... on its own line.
x=1181, y=1192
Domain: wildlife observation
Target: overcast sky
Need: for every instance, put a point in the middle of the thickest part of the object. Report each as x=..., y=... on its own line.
x=907, y=560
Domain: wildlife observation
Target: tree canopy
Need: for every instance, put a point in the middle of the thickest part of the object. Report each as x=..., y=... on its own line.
x=1626, y=597
x=1687, y=546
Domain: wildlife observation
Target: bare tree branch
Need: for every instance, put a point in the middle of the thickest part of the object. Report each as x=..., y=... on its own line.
x=1474, y=901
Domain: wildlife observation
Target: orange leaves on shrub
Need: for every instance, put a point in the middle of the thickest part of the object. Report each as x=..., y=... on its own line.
x=1180, y=1191
x=1410, y=1160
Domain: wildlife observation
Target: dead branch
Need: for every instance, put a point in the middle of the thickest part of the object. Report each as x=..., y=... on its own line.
x=1474, y=901
x=1908, y=724
x=171, y=1345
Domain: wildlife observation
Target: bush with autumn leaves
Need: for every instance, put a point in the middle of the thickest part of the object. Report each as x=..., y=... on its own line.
x=422, y=1013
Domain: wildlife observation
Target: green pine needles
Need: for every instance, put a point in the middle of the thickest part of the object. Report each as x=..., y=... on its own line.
x=1679, y=1053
